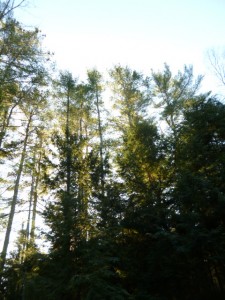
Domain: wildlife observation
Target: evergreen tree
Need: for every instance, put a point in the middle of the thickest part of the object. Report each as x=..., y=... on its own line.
x=199, y=198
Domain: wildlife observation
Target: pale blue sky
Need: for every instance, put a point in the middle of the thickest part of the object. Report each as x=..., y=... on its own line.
x=140, y=33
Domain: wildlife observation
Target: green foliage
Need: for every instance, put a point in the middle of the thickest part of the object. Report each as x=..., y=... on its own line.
x=173, y=94
x=137, y=214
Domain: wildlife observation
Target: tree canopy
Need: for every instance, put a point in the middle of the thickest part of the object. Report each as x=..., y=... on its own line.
x=107, y=200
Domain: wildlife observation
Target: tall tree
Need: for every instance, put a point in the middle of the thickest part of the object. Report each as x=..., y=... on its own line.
x=15, y=193
x=36, y=103
x=174, y=93
x=95, y=88
x=131, y=93
x=21, y=68
x=199, y=194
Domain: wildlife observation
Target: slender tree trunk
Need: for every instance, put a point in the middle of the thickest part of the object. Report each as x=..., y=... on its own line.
x=81, y=122
x=34, y=212
x=68, y=146
x=35, y=196
x=5, y=124
x=101, y=142
x=30, y=206
x=67, y=196
x=15, y=195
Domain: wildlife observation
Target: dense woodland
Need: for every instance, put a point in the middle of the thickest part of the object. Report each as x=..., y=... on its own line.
x=126, y=171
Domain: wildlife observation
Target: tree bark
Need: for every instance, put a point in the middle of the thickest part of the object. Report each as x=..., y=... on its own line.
x=15, y=195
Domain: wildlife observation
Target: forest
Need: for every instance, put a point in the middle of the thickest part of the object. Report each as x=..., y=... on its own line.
x=120, y=179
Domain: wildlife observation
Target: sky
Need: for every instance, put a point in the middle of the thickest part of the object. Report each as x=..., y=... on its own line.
x=143, y=34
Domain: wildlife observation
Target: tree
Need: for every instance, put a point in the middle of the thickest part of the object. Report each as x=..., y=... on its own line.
x=131, y=94
x=174, y=93
x=7, y=7
x=22, y=67
x=94, y=90
x=23, y=78
x=67, y=212
x=200, y=191
x=29, y=113
x=216, y=60
x=15, y=193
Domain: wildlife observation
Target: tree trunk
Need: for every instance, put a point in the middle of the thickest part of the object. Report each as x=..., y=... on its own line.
x=5, y=124
x=101, y=142
x=30, y=206
x=35, y=195
x=15, y=195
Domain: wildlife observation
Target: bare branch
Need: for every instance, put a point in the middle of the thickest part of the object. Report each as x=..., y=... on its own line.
x=217, y=62
x=8, y=7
